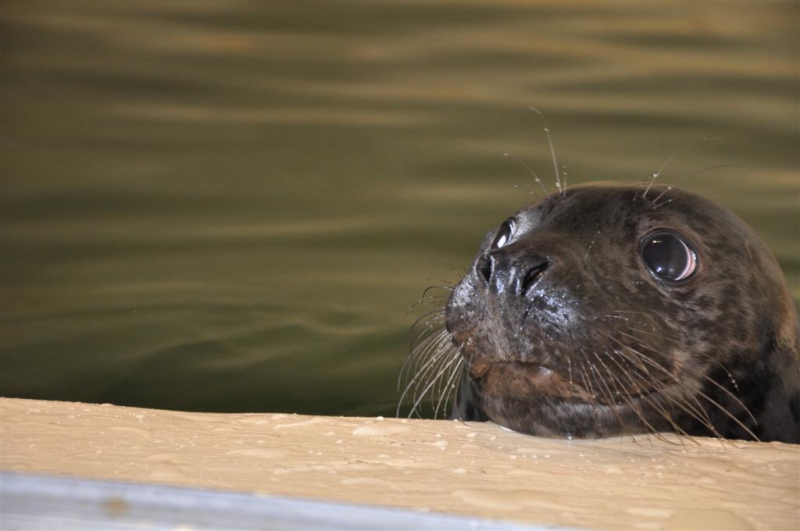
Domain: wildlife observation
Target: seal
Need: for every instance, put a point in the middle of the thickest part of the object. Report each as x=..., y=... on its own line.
x=607, y=309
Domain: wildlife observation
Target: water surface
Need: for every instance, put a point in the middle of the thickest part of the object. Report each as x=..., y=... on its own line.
x=229, y=206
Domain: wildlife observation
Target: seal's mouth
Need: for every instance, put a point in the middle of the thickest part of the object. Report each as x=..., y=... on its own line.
x=522, y=380
x=479, y=369
x=519, y=379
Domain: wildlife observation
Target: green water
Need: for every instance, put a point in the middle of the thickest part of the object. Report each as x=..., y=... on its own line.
x=229, y=206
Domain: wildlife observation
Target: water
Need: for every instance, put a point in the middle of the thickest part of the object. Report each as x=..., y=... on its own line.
x=223, y=206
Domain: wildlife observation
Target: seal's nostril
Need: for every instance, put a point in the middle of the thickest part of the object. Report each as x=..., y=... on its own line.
x=533, y=276
x=485, y=267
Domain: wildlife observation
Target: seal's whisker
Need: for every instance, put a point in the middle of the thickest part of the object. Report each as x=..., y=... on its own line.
x=660, y=337
x=731, y=396
x=662, y=204
x=586, y=256
x=414, y=376
x=609, y=398
x=421, y=375
x=638, y=312
x=535, y=177
x=730, y=415
x=426, y=301
x=700, y=416
x=424, y=321
x=640, y=342
x=587, y=383
x=440, y=373
x=624, y=395
x=449, y=386
x=731, y=378
x=612, y=316
x=412, y=383
x=425, y=324
x=427, y=388
x=426, y=346
x=644, y=358
x=561, y=189
x=430, y=300
x=459, y=272
x=432, y=326
x=690, y=405
x=525, y=188
x=668, y=188
x=696, y=411
x=635, y=361
x=420, y=351
x=632, y=378
x=441, y=298
x=444, y=286
x=427, y=349
x=444, y=283
x=452, y=392
x=707, y=421
x=667, y=162
x=432, y=320
x=671, y=186
x=653, y=178
x=721, y=408
x=569, y=372
x=437, y=353
x=430, y=350
x=422, y=318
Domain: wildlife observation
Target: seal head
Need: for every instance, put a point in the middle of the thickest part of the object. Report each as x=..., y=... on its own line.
x=599, y=312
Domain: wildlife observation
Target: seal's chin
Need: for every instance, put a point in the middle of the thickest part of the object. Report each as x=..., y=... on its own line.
x=535, y=399
x=520, y=380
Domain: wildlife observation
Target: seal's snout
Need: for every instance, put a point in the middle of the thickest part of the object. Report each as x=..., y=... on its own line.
x=505, y=273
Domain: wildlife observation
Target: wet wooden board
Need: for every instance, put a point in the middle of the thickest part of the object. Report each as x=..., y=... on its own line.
x=469, y=469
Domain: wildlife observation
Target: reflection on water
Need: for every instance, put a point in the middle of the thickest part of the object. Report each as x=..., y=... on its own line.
x=230, y=206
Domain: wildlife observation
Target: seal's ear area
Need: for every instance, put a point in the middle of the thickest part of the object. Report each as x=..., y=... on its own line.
x=669, y=256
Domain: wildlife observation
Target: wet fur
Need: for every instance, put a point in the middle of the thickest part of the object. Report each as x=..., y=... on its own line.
x=597, y=346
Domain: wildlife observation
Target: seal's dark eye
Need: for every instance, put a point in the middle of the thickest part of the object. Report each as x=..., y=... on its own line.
x=503, y=235
x=668, y=256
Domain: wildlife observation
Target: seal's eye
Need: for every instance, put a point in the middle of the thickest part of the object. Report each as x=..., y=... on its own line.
x=669, y=256
x=503, y=235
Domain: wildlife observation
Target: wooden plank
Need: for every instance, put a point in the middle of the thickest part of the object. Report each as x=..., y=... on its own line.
x=468, y=469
